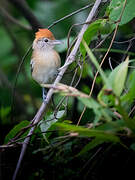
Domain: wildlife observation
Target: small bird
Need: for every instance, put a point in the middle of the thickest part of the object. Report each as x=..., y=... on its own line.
x=45, y=61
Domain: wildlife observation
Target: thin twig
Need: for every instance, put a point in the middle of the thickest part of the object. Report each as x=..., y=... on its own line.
x=69, y=47
x=16, y=77
x=71, y=14
x=69, y=32
x=132, y=110
x=42, y=109
x=126, y=51
x=123, y=42
x=71, y=60
x=81, y=69
x=22, y=138
x=101, y=42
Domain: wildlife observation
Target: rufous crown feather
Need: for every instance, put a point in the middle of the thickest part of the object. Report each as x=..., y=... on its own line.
x=44, y=33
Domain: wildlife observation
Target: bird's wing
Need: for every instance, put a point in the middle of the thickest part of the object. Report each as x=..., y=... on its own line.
x=32, y=65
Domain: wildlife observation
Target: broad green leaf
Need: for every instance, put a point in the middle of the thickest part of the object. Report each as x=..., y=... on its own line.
x=94, y=105
x=117, y=81
x=130, y=95
x=15, y=130
x=116, y=7
x=112, y=126
x=119, y=77
x=85, y=132
x=97, y=109
x=95, y=142
x=105, y=27
x=99, y=25
x=90, y=103
x=49, y=121
x=130, y=123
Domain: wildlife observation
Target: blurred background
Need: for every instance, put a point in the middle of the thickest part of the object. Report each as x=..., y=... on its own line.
x=19, y=20
x=17, y=35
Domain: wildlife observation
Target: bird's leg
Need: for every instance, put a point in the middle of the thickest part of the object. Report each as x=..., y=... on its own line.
x=53, y=101
x=57, y=73
x=44, y=92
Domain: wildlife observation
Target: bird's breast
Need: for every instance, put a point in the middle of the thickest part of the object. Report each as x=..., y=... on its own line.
x=45, y=66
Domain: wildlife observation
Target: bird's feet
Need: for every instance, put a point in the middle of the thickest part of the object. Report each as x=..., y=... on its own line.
x=57, y=73
x=45, y=99
x=44, y=95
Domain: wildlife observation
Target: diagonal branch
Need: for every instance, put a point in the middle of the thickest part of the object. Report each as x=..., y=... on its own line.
x=27, y=13
x=70, y=58
x=9, y=17
x=69, y=15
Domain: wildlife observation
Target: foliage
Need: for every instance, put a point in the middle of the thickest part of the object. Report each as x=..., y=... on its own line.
x=116, y=8
x=65, y=133
x=15, y=130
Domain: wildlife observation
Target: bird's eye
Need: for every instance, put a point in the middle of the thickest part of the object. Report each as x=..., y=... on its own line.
x=46, y=40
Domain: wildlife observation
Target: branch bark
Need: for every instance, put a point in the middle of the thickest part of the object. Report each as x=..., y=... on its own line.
x=70, y=59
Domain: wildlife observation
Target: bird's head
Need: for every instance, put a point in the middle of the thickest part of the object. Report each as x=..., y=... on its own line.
x=44, y=40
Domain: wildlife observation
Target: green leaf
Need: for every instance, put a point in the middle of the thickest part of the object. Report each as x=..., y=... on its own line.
x=90, y=103
x=130, y=123
x=91, y=32
x=105, y=27
x=117, y=80
x=15, y=130
x=85, y=132
x=113, y=126
x=116, y=7
x=97, y=109
x=109, y=127
x=95, y=142
x=49, y=121
x=130, y=95
x=118, y=77
x=94, y=105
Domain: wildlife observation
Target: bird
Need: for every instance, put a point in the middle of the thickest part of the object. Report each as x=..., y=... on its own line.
x=45, y=60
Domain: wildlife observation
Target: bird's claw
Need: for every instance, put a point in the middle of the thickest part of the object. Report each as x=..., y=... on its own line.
x=44, y=95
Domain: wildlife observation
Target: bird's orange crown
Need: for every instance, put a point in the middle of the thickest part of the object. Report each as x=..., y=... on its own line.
x=44, y=33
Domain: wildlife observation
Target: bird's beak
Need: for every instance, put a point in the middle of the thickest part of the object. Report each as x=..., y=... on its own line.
x=55, y=42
